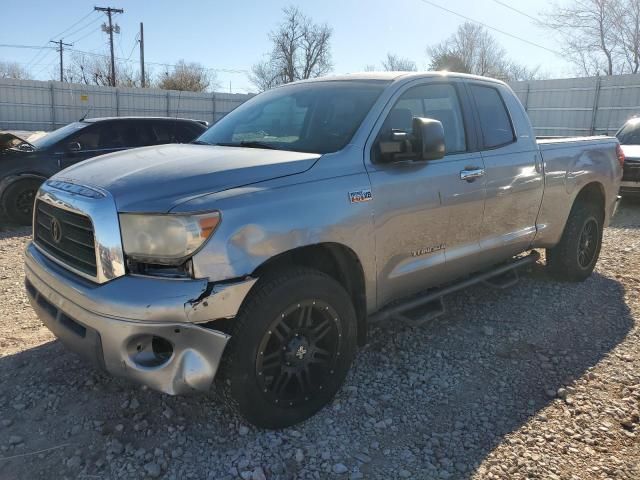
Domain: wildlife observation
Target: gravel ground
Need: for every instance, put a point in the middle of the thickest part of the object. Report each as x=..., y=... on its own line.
x=538, y=381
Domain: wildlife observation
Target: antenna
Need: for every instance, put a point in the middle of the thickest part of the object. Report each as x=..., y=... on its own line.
x=85, y=114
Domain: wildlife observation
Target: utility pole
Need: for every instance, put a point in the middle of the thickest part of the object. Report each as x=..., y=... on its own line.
x=142, y=80
x=61, y=46
x=110, y=29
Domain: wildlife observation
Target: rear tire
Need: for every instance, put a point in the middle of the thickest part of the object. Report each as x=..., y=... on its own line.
x=291, y=347
x=18, y=200
x=575, y=257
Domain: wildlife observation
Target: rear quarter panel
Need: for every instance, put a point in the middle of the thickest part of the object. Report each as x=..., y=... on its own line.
x=570, y=165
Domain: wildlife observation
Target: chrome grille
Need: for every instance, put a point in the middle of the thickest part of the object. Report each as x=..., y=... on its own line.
x=66, y=236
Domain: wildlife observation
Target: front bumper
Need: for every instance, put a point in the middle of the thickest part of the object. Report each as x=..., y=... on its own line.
x=122, y=325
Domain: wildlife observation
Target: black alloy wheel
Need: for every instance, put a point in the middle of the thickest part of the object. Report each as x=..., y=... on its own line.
x=298, y=352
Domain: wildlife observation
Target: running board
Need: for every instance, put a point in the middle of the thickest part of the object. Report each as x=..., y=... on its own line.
x=419, y=310
x=506, y=280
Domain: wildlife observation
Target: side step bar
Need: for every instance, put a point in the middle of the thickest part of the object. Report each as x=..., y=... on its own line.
x=419, y=310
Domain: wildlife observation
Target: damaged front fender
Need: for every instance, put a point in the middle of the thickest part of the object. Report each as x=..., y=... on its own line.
x=219, y=300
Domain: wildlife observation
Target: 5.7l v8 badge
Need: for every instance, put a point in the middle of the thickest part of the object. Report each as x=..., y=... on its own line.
x=359, y=196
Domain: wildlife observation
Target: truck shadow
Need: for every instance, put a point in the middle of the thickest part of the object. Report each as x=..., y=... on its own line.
x=439, y=397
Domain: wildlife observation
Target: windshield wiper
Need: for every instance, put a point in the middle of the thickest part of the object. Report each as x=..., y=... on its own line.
x=248, y=144
x=200, y=142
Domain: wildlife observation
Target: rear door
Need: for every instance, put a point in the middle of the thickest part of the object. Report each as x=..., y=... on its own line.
x=425, y=214
x=513, y=172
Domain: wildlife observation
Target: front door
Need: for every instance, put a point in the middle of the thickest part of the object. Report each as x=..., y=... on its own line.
x=425, y=215
x=101, y=138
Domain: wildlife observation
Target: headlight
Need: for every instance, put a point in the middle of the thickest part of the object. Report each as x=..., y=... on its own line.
x=165, y=239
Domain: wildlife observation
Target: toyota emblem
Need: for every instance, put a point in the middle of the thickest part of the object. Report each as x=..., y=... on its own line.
x=56, y=230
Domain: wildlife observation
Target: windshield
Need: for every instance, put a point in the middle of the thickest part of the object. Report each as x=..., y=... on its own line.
x=315, y=117
x=629, y=134
x=54, y=137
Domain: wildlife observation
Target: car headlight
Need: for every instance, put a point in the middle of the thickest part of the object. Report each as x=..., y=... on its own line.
x=165, y=239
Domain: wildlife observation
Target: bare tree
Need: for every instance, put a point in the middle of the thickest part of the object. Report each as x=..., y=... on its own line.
x=92, y=70
x=472, y=49
x=395, y=63
x=369, y=68
x=300, y=49
x=627, y=20
x=192, y=77
x=13, y=70
x=591, y=33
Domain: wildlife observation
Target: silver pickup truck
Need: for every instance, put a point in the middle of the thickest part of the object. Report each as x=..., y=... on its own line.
x=259, y=255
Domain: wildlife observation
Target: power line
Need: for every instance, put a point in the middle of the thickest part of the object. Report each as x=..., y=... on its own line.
x=172, y=65
x=69, y=28
x=135, y=44
x=33, y=47
x=39, y=55
x=91, y=23
x=524, y=40
x=92, y=32
x=506, y=5
x=94, y=54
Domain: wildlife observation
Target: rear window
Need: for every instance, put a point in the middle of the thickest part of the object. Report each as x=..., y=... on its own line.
x=494, y=118
x=630, y=133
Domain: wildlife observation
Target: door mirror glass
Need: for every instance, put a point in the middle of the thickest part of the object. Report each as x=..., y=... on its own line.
x=74, y=146
x=430, y=141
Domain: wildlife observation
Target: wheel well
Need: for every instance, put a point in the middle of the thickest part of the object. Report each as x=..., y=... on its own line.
x=592, y=193
x=8, y=182
x=336, y=260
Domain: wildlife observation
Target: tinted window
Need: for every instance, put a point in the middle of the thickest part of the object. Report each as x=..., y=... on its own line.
x=88, y=138
x=163, y=132
x=319, y=117
x=116, y=135
x=630, y=133
x=437, y=101
x=494, y=118
x=59, y=135
x=187, y=132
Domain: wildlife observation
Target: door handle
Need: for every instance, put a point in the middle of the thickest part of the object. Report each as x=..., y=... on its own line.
x=471, y=174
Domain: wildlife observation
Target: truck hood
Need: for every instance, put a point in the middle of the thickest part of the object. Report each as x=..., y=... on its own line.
x=631, y=152
x=11, y=141
x=156, y=179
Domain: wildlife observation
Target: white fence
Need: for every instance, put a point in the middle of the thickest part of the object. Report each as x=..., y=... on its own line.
x=575, y=106
x=580, y=106
x=35, y=105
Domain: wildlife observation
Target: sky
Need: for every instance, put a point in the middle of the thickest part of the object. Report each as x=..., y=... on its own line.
x=231, y=36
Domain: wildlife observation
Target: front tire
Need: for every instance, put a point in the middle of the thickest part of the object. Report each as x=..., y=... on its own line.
x=18, y=200
x=575, y=257
x=291, y=347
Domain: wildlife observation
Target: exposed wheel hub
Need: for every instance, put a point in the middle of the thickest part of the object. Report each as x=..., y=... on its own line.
x=297, y=349
x=25, y=200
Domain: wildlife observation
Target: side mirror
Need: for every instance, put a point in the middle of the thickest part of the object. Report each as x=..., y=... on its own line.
x=429, y=133
x=74, y=146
